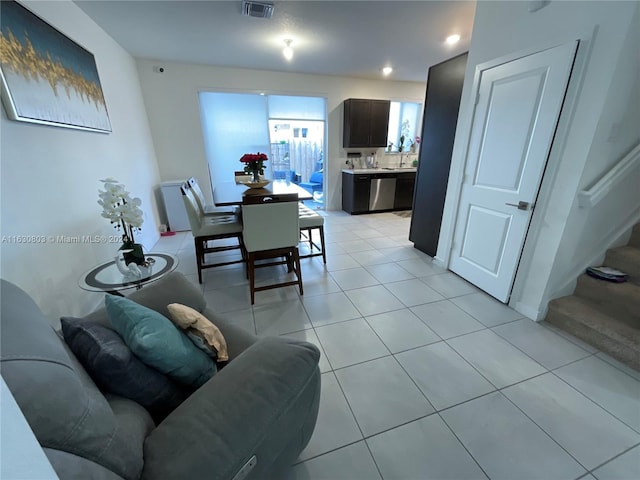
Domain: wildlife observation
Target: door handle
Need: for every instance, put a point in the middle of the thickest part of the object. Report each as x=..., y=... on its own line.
x=520, y=205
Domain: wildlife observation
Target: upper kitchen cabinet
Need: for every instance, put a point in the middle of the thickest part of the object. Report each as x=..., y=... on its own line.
x=366, y=123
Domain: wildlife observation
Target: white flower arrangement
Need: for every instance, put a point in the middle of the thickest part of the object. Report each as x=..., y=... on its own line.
x=123, y=211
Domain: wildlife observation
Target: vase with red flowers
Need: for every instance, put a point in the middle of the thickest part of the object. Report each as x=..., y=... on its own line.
x=254, y=164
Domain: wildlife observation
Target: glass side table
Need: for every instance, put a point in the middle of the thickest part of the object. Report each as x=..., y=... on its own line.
x=107, y=278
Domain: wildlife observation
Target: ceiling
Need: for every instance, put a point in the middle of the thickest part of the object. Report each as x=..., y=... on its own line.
x=346, y=38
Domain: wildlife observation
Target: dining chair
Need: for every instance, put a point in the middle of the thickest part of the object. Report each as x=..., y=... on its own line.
x=208, y=210
x=309, y=221
x=271, y=230
x=207, y=229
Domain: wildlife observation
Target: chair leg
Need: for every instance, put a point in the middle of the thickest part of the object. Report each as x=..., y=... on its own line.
x=310, y=239
x=297, y=268
x=244, y=253
x=306, y=236
x=199, y=258
x=324, y=255
x=252, y=276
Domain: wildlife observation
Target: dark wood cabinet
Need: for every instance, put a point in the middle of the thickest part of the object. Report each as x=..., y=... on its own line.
x=366, y=123
x=355, y=192
x=404, y=191
x=370, y=192
x=444, y=89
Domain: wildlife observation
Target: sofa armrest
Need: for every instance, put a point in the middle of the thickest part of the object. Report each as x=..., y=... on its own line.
x=263, y=404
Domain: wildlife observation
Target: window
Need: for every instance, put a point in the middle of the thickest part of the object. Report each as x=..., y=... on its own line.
x=289, y=129
x=404, y=119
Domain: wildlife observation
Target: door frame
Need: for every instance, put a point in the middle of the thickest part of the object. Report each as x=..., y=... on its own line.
x=541, y=209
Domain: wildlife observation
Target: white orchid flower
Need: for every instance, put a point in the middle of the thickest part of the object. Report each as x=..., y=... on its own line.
x=118, y=206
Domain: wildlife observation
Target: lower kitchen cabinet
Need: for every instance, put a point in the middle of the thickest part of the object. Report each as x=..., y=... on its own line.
x=404, y=191
x=355, y=192
x=377, y=192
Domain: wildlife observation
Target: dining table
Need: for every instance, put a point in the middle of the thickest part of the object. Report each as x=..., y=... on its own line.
x=232, y=193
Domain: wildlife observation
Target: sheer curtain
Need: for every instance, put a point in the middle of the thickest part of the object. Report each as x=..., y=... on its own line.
x=237, y=123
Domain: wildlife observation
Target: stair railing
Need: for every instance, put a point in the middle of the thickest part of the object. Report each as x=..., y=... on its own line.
x=620, y=171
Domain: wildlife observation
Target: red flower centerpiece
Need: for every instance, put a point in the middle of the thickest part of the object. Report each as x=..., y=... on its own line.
x=254, y=164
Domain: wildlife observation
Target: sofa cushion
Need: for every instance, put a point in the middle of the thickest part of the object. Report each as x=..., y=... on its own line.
x=158, y=343
x=116, y=369
x=204, y=334
x=63, y=406
x=316, y=177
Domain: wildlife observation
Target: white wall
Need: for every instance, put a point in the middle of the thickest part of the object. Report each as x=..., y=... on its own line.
x=501, y=29
x=50, y=177
x=590, y=231
x=174, y=116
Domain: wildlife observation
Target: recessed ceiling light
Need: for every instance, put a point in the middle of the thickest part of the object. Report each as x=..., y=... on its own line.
x=453, y=39
x=288, y=51
x=387, y=70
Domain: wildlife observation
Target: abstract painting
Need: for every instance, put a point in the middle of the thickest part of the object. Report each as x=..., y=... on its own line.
x=47, y=78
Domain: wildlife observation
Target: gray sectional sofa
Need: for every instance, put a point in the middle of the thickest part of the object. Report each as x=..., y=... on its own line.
x=250, y=420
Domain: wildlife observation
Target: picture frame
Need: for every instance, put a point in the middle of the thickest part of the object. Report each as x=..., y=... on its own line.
x=47, y=78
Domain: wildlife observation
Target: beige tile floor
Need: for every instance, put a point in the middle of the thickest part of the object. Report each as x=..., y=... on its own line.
x=426, y=377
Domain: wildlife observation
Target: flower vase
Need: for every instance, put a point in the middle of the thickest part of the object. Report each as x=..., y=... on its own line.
x=132, y=252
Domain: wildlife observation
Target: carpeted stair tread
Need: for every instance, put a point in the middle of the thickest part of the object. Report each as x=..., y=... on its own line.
x=606, y=314
x=625, y=259
x=621, y=300
x=584, y=319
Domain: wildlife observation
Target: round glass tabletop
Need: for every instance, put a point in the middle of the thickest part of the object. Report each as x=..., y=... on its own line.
x=108, y=278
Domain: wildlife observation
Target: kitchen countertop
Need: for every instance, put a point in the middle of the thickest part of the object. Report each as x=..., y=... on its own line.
x=371, y=171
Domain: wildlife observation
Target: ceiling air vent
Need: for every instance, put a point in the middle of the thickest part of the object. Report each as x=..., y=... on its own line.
x=257, y=9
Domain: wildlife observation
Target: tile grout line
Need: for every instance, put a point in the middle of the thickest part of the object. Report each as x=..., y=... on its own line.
x=548, y=370
x=589, y=398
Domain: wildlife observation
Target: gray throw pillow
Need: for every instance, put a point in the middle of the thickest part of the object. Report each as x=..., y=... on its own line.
x=114, y=367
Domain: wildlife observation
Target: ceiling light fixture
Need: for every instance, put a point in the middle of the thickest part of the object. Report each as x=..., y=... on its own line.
x=453, y=39
x=387, y=70
x=288, y=51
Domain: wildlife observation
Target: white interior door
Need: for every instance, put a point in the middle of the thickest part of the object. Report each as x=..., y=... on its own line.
x=516, y=114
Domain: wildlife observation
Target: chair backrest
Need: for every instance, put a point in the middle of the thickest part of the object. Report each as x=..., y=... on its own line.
x=270, y=222
x=197, y=193
x=194, y=213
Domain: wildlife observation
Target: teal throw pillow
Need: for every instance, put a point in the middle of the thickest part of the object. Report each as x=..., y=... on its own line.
x=158, y=343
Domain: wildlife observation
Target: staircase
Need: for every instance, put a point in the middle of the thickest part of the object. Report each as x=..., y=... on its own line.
x=606, y=315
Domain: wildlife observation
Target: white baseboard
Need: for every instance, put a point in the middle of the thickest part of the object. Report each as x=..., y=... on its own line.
x=440, y=262
x=531, y=312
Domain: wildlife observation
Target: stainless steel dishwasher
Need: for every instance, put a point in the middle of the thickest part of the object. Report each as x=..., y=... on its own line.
x=382, y=193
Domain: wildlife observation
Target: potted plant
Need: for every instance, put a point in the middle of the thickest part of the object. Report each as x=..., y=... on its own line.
x=254, y=164
x=405, y=132
x=125, y=214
